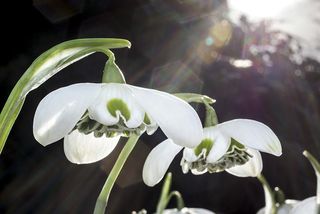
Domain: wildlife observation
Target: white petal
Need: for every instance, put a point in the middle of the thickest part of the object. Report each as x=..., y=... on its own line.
x=158, y=162
x=189, y=155
x=177, y=119
x=250, y=169
x=115, y=91
x=188, y=210
x=307, y=206
x=59, y=111
x=252, y=134
x=81, y=149
x=220, y=146
x=196, y=172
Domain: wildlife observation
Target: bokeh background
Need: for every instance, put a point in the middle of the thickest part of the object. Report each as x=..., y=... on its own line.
x=258, y=59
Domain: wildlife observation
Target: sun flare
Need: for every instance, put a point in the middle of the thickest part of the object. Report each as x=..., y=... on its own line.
x=260, y=9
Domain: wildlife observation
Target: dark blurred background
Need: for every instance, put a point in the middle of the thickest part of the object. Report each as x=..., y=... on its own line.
x=263, y=68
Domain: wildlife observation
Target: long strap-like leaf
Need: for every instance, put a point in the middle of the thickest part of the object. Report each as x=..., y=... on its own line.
x=44, y=67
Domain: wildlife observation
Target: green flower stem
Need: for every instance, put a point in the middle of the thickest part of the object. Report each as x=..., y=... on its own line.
x=270, y=207
x=112, y=73
x=162, y=204
x=103, y=197
x=45, y=66
x=211, y=116
x=178, y=196
x=195, y=98
x=316, y=166
x=166, y=196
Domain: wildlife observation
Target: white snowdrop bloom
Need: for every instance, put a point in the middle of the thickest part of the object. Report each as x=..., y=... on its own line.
x=91, y=117
x=232, y=146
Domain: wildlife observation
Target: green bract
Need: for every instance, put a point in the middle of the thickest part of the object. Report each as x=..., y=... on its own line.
x=44, y=67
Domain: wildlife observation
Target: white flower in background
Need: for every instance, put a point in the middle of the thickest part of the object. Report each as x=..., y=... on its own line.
x=188, y=211
x=284, y=208
x=307, y=206
x=91, y=117
x=232, y=146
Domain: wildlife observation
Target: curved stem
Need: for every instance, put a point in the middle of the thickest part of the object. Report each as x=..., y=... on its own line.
x=270, y=207
x=165, y=196
x=180, y=202
x=112, y=73
x=316, y=166
x=162, y=204
x=102, y=200
x=211, y=115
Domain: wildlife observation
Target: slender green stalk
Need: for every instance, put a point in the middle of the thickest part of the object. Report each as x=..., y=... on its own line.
x=211, y=115
x=103, y=197
x=270, y=207
x=112, y=73
x=316, y=166
x=164, y=194
x=178, y=196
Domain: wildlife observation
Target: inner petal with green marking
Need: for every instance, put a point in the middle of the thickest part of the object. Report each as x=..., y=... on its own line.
x=87, y=125
x=236, y=155
x=118, y=105
x=206, y=145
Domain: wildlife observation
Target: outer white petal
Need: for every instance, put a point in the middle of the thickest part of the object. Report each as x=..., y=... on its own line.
x=99, y=111
x=250, y=169
x=307, y=206
x=252, y=134
x=81, y=149
x=158, y=162
x=196, y=172
x=188, y=155
x=220, y=146
x=59, y=111
x=177, y=119
x=188, y=210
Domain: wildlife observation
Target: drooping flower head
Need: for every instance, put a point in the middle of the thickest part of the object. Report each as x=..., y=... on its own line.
x=91, y=117
x=232, y=146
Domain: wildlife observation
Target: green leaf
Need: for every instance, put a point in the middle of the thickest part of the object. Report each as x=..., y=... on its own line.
x=196, y=98
x=44, y=67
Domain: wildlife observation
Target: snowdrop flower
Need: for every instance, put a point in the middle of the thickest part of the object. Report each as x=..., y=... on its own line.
x=232, y=146
x=91, y=117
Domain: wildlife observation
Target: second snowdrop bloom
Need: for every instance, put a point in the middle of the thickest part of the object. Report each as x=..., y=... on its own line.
x=91, y=117
x=232, y=146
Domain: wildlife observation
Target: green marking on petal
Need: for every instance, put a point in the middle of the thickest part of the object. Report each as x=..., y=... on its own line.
x=115, y=105
x=235, y=144
x=146, y=119
x=205, y=144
